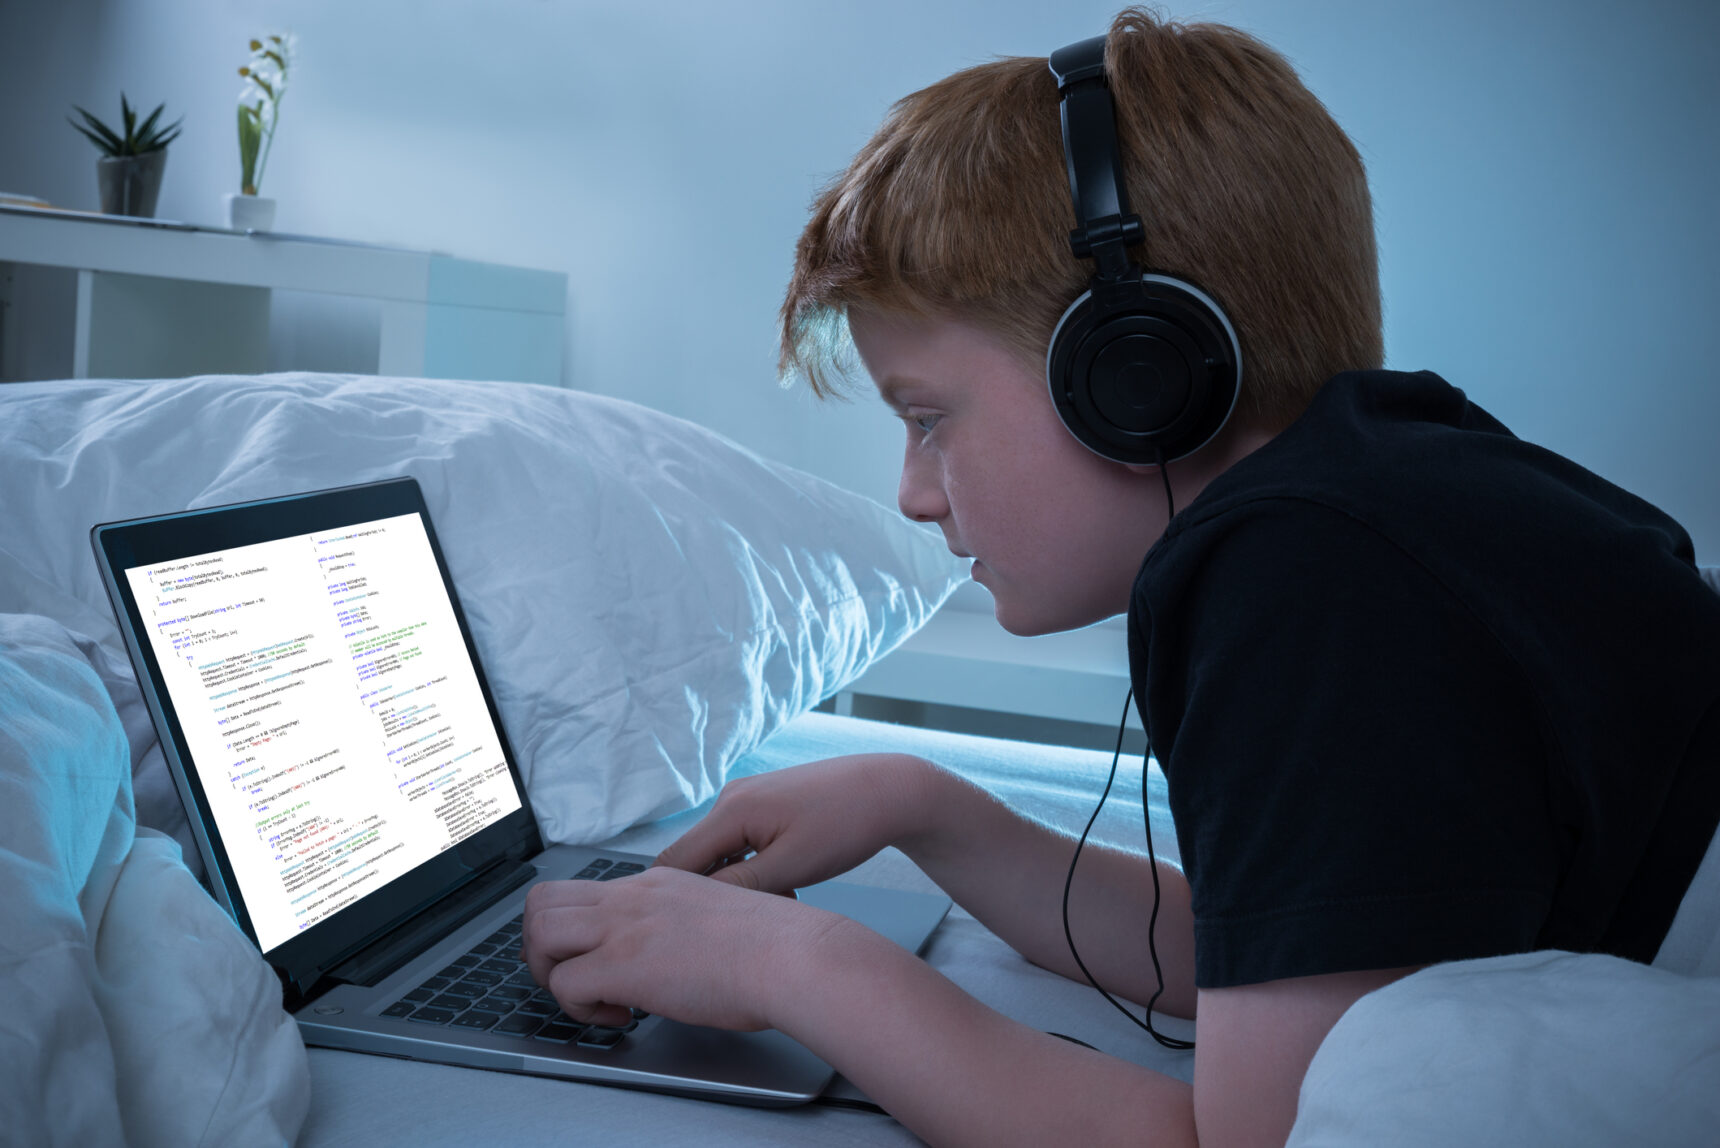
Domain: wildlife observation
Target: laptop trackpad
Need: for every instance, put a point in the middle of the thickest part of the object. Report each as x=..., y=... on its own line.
x=904, y=917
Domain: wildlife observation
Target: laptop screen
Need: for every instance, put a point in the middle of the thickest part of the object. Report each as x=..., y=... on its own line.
x=325, y=692
x=325, y=700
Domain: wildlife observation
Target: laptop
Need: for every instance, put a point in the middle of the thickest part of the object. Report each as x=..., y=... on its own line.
x=359, y=811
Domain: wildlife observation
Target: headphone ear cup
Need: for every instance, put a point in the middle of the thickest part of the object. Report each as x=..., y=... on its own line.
x=1147, y=373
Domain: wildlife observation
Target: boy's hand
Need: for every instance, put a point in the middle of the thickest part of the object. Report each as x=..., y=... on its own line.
x=791, y=828
x=671, y=943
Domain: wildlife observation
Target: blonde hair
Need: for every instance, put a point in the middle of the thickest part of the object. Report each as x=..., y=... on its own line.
x=959, y=207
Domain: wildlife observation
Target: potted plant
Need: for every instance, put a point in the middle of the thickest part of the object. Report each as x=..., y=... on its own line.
x=259, y=112
x=128, y=174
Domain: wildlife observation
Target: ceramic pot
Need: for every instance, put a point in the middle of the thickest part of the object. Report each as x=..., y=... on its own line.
x=250, y=213
x=130, y=184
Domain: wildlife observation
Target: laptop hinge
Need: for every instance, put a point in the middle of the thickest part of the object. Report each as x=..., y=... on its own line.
x=381, y=957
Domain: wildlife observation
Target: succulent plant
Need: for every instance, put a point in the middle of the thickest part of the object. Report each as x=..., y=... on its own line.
x=139, y=139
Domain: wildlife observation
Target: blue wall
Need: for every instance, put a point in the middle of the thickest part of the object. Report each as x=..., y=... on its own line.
x=1544, y=175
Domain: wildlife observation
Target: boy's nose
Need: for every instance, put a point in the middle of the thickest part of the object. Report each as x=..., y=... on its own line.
x=919, y=498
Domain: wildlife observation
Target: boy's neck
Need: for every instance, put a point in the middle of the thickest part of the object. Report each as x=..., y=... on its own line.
x=1190, y=476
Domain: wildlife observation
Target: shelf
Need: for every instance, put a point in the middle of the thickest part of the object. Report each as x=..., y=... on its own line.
x=440, y=317
x=966, y=659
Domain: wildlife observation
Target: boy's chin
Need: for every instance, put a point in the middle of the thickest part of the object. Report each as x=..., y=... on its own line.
x=1030, y=615
x=1026, y=621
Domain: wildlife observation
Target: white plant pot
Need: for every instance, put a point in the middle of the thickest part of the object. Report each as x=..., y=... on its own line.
x=250, y=213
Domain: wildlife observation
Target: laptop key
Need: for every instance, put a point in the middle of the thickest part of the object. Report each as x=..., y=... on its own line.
x=464, y=962
x=629, y=867
x=474, y=1020
x=419, y=994
x=518, y=1025
x=479, y=977
x=509, y=993
x=539, y=1008
x=595, y=1037
x=435, y=984
x=433, y=1015
x=453, y=971
x=470, y=992
x=400, y=1008
x=616, y=872
x=499, y=937
x=588, y=873
x=628, y=1027
x=559, y=1033
x=498, y=966
x=600, y=863
x=450, y=1001
x=523, y=979
x=490, y=1004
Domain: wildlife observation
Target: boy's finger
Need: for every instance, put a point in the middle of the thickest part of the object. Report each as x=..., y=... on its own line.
x=554, y=894
x=569, y=983
x=704, y=845
x=558, y=934
x=756, y=872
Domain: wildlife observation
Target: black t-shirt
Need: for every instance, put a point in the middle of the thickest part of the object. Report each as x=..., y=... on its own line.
x=1424, y=692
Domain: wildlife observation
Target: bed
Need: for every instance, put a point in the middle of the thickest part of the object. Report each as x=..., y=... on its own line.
x=659, y=610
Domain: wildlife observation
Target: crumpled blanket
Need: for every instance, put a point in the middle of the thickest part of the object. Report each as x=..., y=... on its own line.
x=136, y=1012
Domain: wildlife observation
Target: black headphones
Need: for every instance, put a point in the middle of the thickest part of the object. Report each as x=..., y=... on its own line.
x=1143, y=367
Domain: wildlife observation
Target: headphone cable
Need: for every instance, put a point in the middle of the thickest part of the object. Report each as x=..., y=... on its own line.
x=1170, y=1042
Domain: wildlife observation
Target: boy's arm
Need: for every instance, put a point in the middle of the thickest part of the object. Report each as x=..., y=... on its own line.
x=958, y=1073
x=1009, y=872
x=947, y=1066
x=1255, y=1045
x=815, y=821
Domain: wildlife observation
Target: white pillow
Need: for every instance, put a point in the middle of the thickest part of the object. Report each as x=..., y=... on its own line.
x=1581, y=1051
x=649, y=599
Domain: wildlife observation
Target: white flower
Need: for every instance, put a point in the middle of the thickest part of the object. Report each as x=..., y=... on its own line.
x=267, y=70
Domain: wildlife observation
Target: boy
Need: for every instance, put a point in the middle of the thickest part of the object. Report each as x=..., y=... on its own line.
x=1422, y=692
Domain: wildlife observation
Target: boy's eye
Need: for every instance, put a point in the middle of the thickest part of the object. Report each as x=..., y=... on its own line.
x=924, y=423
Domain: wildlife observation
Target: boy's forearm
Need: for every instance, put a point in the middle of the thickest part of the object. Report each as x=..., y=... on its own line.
x=957, y=1072
x=1009, y=872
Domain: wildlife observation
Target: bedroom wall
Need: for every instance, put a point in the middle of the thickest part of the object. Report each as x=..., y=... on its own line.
x=1543, y=170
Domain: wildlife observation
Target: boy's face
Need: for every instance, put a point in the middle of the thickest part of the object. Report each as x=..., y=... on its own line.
x=1056, y=532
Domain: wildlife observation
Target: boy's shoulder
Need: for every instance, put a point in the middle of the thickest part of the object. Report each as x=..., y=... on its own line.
x=1411, y=458
x=1396, y=485
x=1396, y=497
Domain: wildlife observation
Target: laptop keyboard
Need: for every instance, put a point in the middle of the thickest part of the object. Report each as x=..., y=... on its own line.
x=490, y=988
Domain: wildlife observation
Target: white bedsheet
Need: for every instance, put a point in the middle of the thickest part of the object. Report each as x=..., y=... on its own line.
x=142, y=1016
x=1541, y=1048
x=149, y=1020
x=368, y=1102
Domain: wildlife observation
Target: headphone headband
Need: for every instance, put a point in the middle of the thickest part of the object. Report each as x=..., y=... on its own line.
x=1104, y=225
x=1143, y=367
